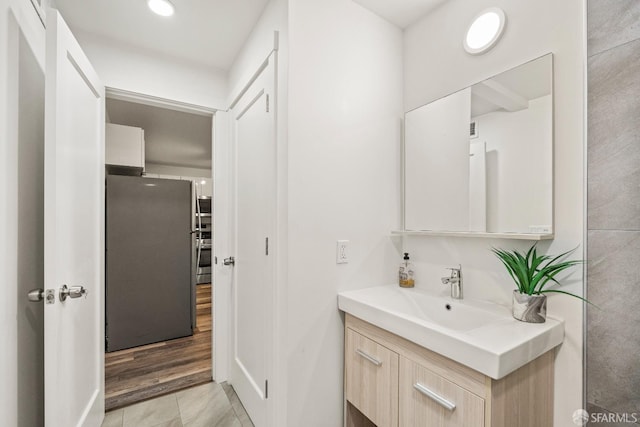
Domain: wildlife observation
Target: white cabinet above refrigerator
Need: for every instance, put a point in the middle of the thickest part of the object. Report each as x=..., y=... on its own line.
x=124, y=145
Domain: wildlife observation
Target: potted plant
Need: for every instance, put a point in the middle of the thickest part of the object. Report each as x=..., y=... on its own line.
x=531, y=273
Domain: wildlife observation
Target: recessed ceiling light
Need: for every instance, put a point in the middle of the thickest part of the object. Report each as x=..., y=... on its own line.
x=485, y=31
x=161, y=7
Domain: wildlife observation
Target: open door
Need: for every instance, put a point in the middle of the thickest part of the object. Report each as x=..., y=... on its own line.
x=254, y=144
x=73, y=233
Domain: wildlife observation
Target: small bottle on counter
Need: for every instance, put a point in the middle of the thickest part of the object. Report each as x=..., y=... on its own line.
x=405, y=273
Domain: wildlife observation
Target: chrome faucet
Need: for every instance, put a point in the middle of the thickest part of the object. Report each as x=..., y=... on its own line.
x=455, y=280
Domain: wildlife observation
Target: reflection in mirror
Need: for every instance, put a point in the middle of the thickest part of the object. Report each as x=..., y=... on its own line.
x=480, y=160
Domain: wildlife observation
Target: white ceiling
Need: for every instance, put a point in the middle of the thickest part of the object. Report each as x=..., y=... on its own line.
x=402, y=13
x=172, y=138
x=208, y=32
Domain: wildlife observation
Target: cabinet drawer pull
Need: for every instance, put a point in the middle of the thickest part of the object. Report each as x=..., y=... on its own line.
x=369, y=358
x=435, y=397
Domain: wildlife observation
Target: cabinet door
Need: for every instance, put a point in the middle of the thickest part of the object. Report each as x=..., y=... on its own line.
x=424, y=397
x=124, y=145
x=371, y=379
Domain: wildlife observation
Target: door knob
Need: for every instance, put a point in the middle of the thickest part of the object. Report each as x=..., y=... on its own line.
x=72, y=292
x=229, y=261
x=36, y=295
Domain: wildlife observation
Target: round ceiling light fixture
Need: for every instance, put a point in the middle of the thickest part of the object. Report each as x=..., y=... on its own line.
x=485, y=30
x=161, y=7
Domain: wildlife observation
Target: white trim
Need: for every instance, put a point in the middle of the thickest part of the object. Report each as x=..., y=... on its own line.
x=256, y=74
x=155, y=101
x=515, y=236
x=221, y=275
x=41, y=10
x=253, y=78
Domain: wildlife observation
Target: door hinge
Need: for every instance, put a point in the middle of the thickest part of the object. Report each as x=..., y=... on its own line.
x=266, y=389
x=266, y=246
x=267, y=103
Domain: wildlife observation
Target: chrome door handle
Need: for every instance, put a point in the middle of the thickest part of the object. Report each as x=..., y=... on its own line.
x=369, y=358
x=447, y=404
x=229, y=261
x=36, y=295
x=72, y=292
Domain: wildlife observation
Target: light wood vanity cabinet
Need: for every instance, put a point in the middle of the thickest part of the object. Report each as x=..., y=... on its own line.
x=390, y=381
x=372, y=382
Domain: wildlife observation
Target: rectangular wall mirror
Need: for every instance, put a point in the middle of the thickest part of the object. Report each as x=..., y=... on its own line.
x=481, y=159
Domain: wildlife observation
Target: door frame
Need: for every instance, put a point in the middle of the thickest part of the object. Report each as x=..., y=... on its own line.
x=222, y=139
x=218, y=340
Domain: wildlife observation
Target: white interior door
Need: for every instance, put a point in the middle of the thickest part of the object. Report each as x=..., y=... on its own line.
x=255, y=201
x=73, y=233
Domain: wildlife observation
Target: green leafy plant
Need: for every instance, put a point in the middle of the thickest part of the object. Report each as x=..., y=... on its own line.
x=532, y=272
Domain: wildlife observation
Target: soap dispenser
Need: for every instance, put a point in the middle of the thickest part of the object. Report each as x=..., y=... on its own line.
x=405, y=273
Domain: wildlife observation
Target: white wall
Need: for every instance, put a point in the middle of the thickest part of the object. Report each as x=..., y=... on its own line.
x=434, y=65
x=149, y=73
x=21, y=216
x=345, y=110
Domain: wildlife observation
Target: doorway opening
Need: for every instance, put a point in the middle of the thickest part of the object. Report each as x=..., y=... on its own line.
x=159, y=232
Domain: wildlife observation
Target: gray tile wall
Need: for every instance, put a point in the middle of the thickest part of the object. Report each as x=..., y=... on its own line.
x=613, y=209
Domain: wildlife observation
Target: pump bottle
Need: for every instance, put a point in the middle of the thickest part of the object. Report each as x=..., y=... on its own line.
x=405, y=273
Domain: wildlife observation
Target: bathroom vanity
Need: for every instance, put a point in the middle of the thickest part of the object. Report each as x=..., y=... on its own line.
x=414, y=359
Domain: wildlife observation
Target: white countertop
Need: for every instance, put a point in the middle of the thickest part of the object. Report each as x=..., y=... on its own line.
x=482, y=336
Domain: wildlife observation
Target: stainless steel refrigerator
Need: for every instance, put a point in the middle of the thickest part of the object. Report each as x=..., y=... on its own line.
x=150, y=260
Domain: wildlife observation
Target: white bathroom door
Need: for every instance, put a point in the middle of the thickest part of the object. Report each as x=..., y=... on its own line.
x=73, y=233
x=253, y=289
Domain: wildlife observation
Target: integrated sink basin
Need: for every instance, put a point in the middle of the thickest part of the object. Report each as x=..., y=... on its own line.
x=452, y=314
x=480, y=335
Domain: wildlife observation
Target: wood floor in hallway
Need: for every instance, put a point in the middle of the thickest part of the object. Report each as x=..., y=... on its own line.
x=145, y=372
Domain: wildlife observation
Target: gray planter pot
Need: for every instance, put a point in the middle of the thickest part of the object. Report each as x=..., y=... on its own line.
x=529, y=308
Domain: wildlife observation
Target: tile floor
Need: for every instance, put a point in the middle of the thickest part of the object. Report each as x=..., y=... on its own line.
x=210, y=405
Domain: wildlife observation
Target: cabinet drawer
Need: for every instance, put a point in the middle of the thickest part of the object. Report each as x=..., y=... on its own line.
x=424, y=397
x=371, y=379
